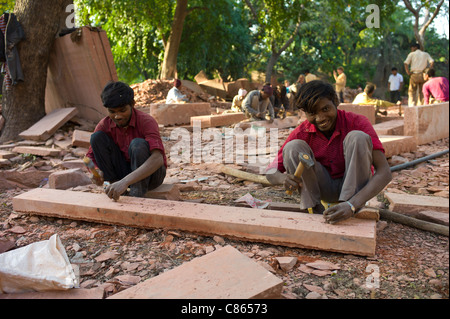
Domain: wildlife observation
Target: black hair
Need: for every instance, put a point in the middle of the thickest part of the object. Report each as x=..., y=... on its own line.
x=415, y=45
x=117, y=94
x=313, y=91
x=394, y=69
x=430, y=72
x=370, y=88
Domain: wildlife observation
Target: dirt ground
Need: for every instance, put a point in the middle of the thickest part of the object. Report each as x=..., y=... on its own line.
x=411, y=263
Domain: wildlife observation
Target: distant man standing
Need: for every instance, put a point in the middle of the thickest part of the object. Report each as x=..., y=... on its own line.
x=416, y=62
x=395, y=85
x=435, y=89
x=341, y=81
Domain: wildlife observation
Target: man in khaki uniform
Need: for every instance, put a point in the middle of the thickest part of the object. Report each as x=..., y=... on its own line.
x=309, y=76
x=341, y=81
x=416, y=62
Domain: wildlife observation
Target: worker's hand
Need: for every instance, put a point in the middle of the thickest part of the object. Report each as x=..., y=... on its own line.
x=338, y=213
x=97, y=180
x=292, y=183
x=116, y=189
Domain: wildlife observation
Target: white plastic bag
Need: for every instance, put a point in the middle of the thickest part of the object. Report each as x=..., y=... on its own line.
x=39, y=266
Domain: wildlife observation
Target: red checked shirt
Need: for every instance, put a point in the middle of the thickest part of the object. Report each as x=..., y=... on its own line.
x=142, y=125
x=330, y=153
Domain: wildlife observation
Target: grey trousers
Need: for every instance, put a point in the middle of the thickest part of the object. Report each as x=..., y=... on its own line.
x=317, y=182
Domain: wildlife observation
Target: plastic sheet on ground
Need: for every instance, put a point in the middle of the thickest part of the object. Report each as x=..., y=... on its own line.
x=253, y=202
x=40, y=266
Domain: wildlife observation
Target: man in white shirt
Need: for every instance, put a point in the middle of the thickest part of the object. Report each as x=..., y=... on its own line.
x=175, y=95
x=416, y=62
x=395, y=85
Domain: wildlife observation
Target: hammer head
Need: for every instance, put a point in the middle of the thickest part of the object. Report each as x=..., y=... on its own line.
x=306, y=160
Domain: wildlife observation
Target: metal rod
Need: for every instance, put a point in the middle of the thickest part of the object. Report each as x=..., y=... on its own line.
x=417, y=161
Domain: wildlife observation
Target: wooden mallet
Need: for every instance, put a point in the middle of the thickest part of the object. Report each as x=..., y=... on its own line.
x=305, y=161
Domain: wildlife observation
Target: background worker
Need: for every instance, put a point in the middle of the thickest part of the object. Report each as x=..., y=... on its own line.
x=416, y=62
x=309, y=76
x=126, y=146
x=435, y=89
x=174, y=95
x=341, y=82
x=257, y=105
x=280, y=101
x=395, y=83
x=366, y=98
x=346, y=152
x=236, y=105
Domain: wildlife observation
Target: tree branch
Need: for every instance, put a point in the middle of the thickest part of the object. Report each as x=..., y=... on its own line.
x=252, y=9
x=435, y=13
x=196, y=8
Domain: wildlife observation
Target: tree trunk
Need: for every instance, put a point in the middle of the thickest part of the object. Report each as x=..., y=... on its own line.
x=24, y=104
x=169, y=66
x=419, y=31
x=270, y=66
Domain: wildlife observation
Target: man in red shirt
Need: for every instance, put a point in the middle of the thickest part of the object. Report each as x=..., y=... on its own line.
x=345, y=150
x=435, y=88
x=126, y=145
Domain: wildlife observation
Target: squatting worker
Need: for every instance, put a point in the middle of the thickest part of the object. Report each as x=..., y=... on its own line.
x=349, y=162
x=257, y=104
x=126, y=146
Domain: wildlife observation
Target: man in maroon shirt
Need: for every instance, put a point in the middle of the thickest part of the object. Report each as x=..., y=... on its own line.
x=434, y=87
x=126, y=145
x=345, y=150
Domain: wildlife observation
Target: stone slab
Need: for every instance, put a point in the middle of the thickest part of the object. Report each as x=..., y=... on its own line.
x=414, y=204
x=351, y=236
x=223, y=274
x=218, y=120
x=178, y=114
x=395, y=145
x=394, y=127
x=68, y=178
x=6, y=154
x=48, y=125
x=366, y=110
x=94, y=293
x=434, y=217
x=78, y=71
x=36, y=150
x=427, y=123
x=81, y=138
x=289, y=121
x=164, y=191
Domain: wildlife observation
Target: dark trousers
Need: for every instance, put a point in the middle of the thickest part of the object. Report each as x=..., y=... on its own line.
x=395, y=96
x=341, y=96
x=114, y=166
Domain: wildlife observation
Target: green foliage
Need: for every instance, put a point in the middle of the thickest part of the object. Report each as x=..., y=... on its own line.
x=215, y=39
x=7, y=6
x=225, y=38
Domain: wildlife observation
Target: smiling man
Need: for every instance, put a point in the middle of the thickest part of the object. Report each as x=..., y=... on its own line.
x=349, y=162
x=126, y=146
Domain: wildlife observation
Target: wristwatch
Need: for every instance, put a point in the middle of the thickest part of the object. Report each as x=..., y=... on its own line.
x=352, y=207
